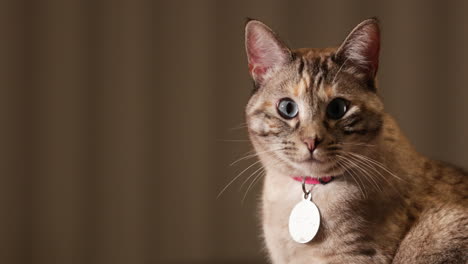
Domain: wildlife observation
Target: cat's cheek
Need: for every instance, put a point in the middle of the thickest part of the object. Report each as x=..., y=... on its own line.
x=260, y=128
x=264, y=127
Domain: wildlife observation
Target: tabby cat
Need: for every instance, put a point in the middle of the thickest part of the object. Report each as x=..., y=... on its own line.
x=315, y=116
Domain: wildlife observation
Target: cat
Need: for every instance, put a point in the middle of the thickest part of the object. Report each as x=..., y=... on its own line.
x=315, y=114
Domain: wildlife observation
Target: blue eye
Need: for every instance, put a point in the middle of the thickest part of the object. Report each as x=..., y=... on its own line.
x=337, y=108
x=287, y=108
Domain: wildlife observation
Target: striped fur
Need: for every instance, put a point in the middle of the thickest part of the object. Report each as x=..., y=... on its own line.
x=388, y=204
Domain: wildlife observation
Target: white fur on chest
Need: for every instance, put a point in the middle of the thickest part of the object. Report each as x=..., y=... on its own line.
x=280, y=195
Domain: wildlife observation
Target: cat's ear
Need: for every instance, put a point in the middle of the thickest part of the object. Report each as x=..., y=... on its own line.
x=265, y=51
x=361, y=47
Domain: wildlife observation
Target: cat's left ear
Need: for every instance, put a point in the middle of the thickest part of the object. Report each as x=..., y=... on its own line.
x=265, y=51
x=362, y=46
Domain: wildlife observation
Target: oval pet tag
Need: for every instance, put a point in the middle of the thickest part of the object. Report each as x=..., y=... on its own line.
x=304, y=221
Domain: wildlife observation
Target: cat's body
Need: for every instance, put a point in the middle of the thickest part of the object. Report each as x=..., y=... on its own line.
x=387, y=203
x=419, y=219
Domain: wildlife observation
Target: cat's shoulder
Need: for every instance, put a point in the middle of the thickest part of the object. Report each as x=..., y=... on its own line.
x=444, y=185
x=439, y=235
x=447, y=173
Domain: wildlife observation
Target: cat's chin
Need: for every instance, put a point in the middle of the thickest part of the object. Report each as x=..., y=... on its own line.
x=307, y=166
x=317, y=168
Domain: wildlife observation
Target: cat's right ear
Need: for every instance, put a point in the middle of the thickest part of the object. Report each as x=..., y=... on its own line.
x=362, y=46
x=265, y=51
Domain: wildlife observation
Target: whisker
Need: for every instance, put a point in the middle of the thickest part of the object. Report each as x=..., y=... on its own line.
x=366, y=174
x=336, y=165
x=355, y=169
x=351, y=173
x=241, y=125
x=357, y=144
x=253, y=155
x=379, y=164
x=248, y=178
x=370, y=166
x=393, y=186
x=252, y=184
x=235, y=178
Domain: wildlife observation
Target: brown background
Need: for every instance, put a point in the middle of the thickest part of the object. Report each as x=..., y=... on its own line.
x=116, y=118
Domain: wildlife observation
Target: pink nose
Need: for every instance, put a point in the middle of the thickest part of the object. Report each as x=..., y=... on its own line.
x=311, y=143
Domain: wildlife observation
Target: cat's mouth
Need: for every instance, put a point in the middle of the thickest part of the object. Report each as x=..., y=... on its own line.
x=312, y=158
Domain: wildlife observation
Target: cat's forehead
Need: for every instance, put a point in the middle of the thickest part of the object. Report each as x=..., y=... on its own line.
x=313, y=53
x=316, y=72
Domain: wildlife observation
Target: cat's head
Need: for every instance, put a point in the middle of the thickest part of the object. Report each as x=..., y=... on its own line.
x=312, y=107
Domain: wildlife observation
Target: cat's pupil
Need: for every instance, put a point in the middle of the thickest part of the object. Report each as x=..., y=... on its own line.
x=287, y=108
x=337, y=108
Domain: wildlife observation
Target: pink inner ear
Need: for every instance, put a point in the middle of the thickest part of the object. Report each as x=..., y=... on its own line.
x=362, y=46
x=258, y=71
x=372, y=52
x=264, y=50
x=258, y=50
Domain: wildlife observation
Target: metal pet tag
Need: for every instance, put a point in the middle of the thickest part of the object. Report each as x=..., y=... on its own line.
x=304, y=220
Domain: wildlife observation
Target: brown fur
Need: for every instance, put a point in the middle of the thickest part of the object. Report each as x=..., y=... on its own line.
x=388, y=203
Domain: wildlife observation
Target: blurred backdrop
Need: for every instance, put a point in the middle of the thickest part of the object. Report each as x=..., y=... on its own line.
x=119, y=119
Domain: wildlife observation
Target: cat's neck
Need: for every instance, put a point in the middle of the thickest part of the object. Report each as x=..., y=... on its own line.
x=397, y=154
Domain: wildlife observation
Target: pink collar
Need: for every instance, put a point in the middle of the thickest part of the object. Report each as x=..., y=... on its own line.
x=310, y=180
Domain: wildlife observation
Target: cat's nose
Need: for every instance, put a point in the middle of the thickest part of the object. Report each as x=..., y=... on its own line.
x=311, y=143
